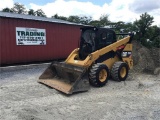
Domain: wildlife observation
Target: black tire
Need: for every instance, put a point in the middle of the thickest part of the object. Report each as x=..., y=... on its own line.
x=98, y=70
x=119, y=71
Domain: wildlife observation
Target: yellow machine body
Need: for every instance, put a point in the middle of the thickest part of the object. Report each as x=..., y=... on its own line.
x=72, y=75
x=95, y=55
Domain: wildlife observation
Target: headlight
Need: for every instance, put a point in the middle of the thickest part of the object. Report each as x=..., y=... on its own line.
x=126, y=54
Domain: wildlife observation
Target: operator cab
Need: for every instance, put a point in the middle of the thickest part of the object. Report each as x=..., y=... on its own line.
x=93, y=38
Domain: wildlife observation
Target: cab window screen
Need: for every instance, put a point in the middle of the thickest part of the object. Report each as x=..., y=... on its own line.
x=89, y=36
x=106, y=39
x=103, y=38
x=109, y=38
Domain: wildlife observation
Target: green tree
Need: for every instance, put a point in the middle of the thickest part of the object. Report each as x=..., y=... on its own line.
x=95, y=23
x=74, y=18
x=153, y=32
x=154, y=36
x=156, y=42
x=101, y=22
x=81, y=20
x=148, y=35
x=40, y=13
x=7, y=10
x=85, y=20
x=129, y=27
x=31, y=12
x=55, y=16
x=19, y=8
x=143, y=24
x=120, y=26
x=59, y=17
x=104, y=21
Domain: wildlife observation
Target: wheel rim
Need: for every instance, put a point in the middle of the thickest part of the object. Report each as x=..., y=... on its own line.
x=123, y=72
x=103, y=75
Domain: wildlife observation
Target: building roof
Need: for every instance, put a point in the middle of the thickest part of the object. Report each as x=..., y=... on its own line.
x=31, y=17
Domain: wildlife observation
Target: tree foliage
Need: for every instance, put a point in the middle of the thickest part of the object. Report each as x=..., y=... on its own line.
x=156, y=42
x=95, y=23
x=143, y=23
x=104, y=20
x=85, y=20
x=19, y=8
x=31, y=12
x=74, y=19
x=59, y=17
x=40, y=13
x=7, y=10
x=147, y=34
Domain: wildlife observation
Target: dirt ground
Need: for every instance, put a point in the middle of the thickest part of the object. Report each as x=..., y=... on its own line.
x=22, y=98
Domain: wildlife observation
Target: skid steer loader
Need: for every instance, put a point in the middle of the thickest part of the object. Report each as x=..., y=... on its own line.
x=98, y=57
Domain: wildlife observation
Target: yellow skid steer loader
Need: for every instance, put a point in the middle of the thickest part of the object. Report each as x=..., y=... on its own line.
x=98, y=57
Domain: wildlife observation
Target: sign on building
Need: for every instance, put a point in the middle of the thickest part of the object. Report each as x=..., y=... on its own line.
x=30, y=36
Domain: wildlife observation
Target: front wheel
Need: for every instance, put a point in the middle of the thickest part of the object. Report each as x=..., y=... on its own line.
x=98, y=75
x=119, y=71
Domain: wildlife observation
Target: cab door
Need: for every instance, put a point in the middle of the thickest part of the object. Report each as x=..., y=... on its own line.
x=105, y=38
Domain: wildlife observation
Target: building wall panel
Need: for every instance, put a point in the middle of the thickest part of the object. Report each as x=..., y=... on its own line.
x=61, y=39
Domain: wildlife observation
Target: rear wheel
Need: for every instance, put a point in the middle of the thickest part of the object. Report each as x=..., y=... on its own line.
x=98, y=75
x=119, y=71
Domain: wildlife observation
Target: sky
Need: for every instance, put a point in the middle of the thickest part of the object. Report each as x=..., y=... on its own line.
x=118, y=10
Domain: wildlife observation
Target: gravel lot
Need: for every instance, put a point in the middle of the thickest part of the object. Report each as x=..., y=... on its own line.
x=22, y=98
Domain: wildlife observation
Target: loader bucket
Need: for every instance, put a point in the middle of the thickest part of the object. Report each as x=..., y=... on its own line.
x=66, y=78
